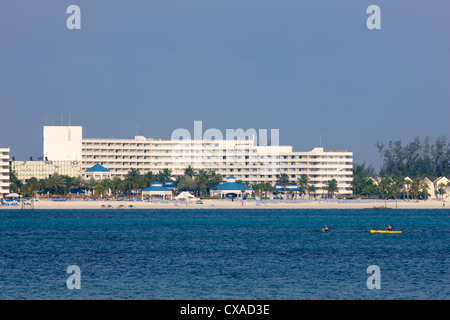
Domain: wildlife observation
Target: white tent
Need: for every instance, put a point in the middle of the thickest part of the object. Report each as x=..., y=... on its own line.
x=185, y=196
x=12, y=195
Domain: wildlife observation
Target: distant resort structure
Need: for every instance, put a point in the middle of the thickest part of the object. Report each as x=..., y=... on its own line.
x=241, y=163
x=67, y=152
x=4, y=172
x=231, y=188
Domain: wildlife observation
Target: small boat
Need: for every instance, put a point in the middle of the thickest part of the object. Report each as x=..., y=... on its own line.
x=384, y=231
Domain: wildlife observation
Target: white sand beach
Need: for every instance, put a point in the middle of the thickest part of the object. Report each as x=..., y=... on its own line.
x=227, y=204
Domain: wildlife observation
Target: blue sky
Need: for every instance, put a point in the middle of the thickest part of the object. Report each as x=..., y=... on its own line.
x=308, y=68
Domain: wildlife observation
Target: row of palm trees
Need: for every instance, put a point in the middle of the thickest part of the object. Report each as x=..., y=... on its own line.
x=304, y=187
x=196, y=181
x=393, y=187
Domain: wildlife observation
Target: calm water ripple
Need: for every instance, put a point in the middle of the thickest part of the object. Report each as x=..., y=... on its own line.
x=223, y=254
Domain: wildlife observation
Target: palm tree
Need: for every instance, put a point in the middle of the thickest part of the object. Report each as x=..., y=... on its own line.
x=30, y=188
x=186, y=183
x=302, y=184
x=268, y=187
x=117, y=186
x=407, y=184
x=424, y=190
x=133, y=180
x=311, y=190
x=441, y=190
x=189, y=171
x=91, y=184
x=14, y=183
x=332, y=187
x=101, y=190
x=149, y=178
x=361, y=175
x=415, y=186
x=383, y=187
x=262, y=188
x=164, y=175
x=257, y=188
x=201, y=181
x=369, y=189
x=283, y=180
x=77, y=182
x=107, y=185
x=55, y=183
x=214, y=180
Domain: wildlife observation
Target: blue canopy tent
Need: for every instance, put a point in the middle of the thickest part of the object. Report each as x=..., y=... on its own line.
x=76, y=191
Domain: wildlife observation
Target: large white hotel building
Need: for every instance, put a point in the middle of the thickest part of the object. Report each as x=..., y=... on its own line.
x=4, y=172
x=242, y=158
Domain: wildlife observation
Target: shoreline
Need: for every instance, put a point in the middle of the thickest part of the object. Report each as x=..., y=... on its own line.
x=227, y=204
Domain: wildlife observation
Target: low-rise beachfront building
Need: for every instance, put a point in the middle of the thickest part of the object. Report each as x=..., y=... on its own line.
x=39, y=169
x=157, y=190
x=290, y=190
x=230, y=188
x=433, y=186
x=441, y=184
x=429, y=184
x=244, y=159
x=4, y=172
x=98, y=172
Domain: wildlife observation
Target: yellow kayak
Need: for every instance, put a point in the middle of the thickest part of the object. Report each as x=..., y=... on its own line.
x=384, y=231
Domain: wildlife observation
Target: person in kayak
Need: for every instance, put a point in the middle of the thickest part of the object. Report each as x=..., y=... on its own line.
x=389, y=228
x=325, y=229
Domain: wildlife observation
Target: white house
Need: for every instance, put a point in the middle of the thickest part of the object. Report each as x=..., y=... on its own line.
x=437, y=185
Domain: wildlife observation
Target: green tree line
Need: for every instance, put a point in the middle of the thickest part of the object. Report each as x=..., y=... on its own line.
x=403, y=169
x=197, y=181
x=416, y=158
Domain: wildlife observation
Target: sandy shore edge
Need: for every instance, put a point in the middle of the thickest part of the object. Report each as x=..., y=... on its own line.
x=226, y=204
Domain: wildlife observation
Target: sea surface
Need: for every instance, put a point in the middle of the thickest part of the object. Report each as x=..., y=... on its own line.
x=224, y=254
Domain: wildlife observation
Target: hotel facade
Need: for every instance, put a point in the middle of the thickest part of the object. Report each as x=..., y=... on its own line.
x=4, y=172
x=24, y=170
x=242, y=158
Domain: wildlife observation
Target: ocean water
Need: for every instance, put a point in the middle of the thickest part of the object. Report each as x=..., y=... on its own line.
x=224, y=254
